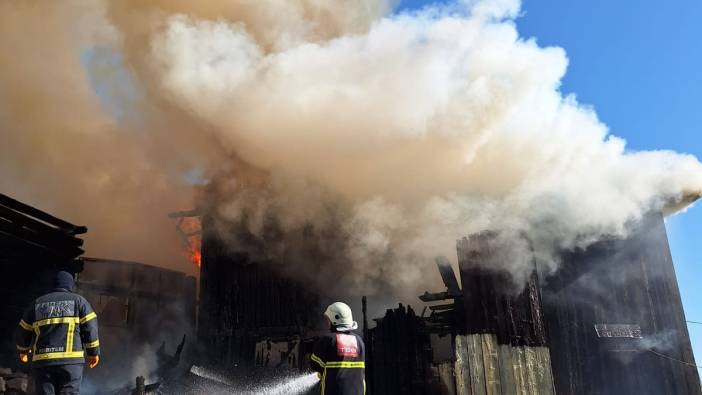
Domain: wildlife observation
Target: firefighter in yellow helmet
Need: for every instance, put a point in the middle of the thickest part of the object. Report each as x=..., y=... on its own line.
x=339, y=356
x=57, y=331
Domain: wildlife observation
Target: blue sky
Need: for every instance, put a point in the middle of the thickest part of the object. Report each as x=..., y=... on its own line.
x=639, y=63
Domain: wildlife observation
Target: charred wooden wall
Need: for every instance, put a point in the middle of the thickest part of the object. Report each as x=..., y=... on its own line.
x=538, y=339
x=625, y=282
x=33, y=244
x=400, y=356
x=494, y=304
x=503, y=348
x=144, y=301
x=243, y=301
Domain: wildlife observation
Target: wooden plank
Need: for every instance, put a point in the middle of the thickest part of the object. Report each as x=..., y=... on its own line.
x=477, y=367
x=462, y=366
x=31, y=239
x=531, y=371
x=519, y=370
x=40, y=230
x=545, y=383
x=491, y=364
x=40, y=215
x=506, y=362
x=446, y=378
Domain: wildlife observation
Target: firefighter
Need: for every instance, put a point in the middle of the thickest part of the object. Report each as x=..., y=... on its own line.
x=56, y=332
x=339, y=356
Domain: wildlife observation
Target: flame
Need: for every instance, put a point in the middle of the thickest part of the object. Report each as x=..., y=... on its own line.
x=193, y=251
x=191, y=228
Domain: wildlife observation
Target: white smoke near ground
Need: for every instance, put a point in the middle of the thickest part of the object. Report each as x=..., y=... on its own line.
x=390, y=135
x=145, y=363
x=430, y=125
x=141, y=360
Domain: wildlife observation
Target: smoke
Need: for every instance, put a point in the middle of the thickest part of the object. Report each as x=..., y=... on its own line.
x=135, y=360
x=348, y=139
x=662, y=341
x=78, y=140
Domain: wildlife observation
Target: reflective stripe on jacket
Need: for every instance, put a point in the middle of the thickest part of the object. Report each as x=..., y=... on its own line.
x=59, y=328
x=340, y=358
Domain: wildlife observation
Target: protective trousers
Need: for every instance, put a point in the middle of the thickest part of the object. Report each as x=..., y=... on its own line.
x=59, y=379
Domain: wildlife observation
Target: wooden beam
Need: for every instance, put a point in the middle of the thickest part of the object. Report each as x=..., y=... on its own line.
x=448, y=276
x=40, y=215
x=31, y=238
x=40, y=229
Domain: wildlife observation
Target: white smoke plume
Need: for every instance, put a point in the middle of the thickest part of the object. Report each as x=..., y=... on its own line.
x=400, y=132
x=433, y=125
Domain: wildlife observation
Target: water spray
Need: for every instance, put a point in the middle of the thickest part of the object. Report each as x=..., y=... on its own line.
x=292, y=385
x=210, y=375
x=289, y=385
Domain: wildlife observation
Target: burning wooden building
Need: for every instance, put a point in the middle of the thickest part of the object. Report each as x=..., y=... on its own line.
x=610, y=321
x=494, y=340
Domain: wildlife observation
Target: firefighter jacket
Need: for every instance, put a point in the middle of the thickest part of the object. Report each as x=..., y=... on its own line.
x=340, y=358
x=59, y=328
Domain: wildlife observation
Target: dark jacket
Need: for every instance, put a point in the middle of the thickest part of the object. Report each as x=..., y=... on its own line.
x=340, y=358
x=59, y=328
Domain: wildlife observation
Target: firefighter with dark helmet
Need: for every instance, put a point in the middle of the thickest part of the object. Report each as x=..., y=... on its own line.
x=57, y=331
x=339, y=356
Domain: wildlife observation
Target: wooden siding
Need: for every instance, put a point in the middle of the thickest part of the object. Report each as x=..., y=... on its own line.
x=484, y=367
x=628, y=282
x=243, y=301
